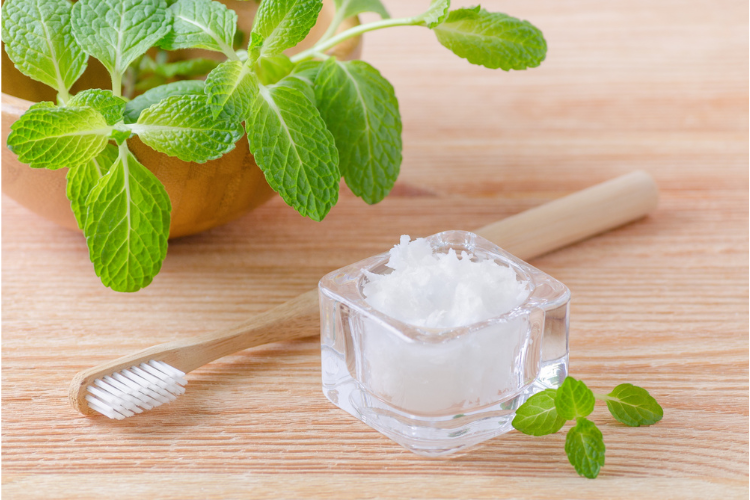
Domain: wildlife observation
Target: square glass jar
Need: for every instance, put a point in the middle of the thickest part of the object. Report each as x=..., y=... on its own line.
x=436, y=391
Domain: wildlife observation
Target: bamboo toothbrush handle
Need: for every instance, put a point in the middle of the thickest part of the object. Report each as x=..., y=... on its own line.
x=575, y=217
x=526, y=235
x=293, y=319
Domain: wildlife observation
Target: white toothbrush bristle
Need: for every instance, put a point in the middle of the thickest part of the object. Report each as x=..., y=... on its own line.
x=135, y=389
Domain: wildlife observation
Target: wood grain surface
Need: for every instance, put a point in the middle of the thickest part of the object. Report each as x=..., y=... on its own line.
x=662, y=303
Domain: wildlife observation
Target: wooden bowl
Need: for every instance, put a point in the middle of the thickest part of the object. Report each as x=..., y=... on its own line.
x=203, y=195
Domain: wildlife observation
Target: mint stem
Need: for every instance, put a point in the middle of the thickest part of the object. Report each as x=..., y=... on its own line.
x=602, y=397
x=335, y=23
x=324, y=45
x=117, y=83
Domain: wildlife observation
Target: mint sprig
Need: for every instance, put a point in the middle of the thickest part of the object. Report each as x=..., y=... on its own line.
x=310, y=118
x=546, y=412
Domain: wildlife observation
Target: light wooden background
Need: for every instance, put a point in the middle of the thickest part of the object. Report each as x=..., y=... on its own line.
x=662, y=303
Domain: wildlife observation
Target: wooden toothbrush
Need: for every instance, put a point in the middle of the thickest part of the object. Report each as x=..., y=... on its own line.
x=154, y=376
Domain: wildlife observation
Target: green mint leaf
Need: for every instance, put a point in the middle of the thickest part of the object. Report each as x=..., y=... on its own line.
x=120, y=135
x=183, y=126
x=538, y=416
x=351, y=8
x=105, y=102
x=307, y=70
x=360, y=109
x=295, y=150
x=41, y=105
x=301, y=84
x=39, y=41
x=201, y=24
x=231, y=88
x=435, y=15
x=574, y=399
x=150, y=82
x=585, y=448
x=83, y=178
x=127, y=225
x=282, y=24
x=271, y=69
x=633, y=406
x=134, y=108
x=187, y=68
x=52, y=137
x=492, y=39
x=303, y=79
x=118, y=31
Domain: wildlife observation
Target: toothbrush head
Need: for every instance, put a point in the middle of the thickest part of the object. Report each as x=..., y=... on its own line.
x=132, y=390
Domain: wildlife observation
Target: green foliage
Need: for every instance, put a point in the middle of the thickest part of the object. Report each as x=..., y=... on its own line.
x=201, y=24
x=271, y=69
x=295, y=150
x=585, y=448
x=310, y=118
x=52, y=137
x=127, y=225
x=38, y=39
x=546, y=412
x=538, y=416
x=118, y=31
x=435, y=15
x=134, y=108
x=492, y=39
x=574, y=399
x=183, y=126
x=633, y=406
x=360, y=109
x=231, y=88
x=282, y=24
x=104, y=101
x=83, y=178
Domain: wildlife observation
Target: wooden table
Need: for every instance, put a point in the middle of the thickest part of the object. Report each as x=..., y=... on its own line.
x=659, y=86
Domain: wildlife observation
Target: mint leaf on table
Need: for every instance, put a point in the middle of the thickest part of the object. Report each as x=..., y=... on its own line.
x=492, y=39
x=83, y=178
x=105, y=102
x=436, y=14
x=201, y=24
x=360, y=109
x=271, y=69
x=38, y=39
x=231, y=88
x=633, y=406
x=183, y=126
x=538, y=416
x=282, y=24
x=585, y=448
x=134, y=108
x=127, y=225
x=52, y=137
x=294, y=149
x=351, y=8
x=118, y=31
x=574, y=399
